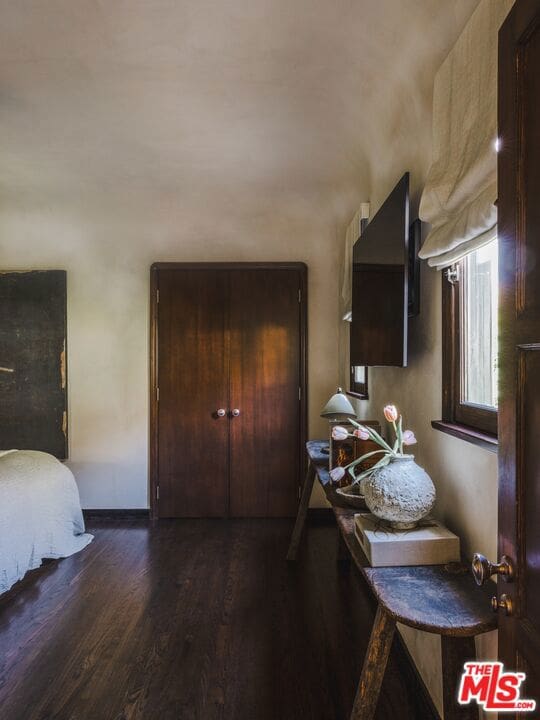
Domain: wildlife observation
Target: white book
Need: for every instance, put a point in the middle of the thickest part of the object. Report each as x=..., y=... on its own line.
x=428, y=544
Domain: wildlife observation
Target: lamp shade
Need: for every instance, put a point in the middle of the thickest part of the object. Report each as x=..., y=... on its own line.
x=338, y=407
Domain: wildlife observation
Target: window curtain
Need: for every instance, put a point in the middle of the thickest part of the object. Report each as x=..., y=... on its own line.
x=461, y=187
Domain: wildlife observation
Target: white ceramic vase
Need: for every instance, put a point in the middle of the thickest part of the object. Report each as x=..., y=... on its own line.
x=400, y=493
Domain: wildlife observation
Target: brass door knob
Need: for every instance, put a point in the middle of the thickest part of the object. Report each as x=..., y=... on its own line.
x=503, y=603
x=483, y=569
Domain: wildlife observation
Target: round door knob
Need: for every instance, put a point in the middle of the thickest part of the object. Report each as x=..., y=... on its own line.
x=221, y=412
x=483, y=569
x=502, y=603
x=236, y=412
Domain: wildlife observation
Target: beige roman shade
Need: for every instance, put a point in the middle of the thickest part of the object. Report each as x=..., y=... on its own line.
x=461, y=188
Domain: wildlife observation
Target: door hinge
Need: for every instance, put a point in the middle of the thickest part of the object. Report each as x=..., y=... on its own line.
x=157, y=492
x=299, y=393
x=157, y=296
x=299, y=295
x=299, y=492
x=157, y=394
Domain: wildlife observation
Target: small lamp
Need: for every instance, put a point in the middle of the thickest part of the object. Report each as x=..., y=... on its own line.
x=338, y=407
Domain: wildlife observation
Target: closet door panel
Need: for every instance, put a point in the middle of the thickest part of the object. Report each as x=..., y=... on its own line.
x=265, y=380
x=193, y=378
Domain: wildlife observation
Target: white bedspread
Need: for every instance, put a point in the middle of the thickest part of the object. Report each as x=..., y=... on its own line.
x=40, y=513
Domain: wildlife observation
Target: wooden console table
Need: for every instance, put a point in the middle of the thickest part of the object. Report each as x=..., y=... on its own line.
x=441, y=599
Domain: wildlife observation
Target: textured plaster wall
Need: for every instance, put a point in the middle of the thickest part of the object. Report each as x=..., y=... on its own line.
x=192, y=130
x=465, y=476
x=107, y=247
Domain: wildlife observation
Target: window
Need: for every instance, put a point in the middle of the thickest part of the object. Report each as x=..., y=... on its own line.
x=479, y=327
x=470, y=337
x=359, y=381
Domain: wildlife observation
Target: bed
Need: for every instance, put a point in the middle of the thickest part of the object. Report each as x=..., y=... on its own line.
x=40, y=513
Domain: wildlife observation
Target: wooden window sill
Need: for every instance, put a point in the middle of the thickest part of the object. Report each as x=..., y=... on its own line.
x=360, y=396
x=476, y=437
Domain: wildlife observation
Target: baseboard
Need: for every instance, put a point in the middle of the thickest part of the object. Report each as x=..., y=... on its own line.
x=316, y=516
x=116, y=514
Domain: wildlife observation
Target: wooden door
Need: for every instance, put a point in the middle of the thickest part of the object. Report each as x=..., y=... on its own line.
x=193, y=381
x=519, y=409
x=265, y=387
x=227, y=338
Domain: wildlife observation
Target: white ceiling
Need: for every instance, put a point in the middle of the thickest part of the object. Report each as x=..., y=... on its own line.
x=204, y=96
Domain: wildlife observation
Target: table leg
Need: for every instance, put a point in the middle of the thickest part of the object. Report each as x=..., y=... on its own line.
x=302, y=512
x=455, y=651
x=369, y=687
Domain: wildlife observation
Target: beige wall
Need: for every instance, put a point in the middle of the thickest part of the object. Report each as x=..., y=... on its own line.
x=107, y=246
x=465, y=476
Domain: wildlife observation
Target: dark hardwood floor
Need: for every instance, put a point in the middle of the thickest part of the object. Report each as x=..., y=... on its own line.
x=193, y=619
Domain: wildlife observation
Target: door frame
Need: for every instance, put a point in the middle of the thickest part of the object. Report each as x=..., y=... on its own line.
x=520, y=330
x=302, y=270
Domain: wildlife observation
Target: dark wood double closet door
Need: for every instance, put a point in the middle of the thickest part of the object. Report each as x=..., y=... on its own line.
x=228, y=374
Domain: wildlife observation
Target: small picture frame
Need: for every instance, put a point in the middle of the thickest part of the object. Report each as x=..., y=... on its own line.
x=343, y=452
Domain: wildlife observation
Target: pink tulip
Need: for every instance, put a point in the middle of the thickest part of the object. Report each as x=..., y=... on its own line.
x=339, y=433
x=361, y=433
x=408, y=437
x=390, y=413
x=337, y=474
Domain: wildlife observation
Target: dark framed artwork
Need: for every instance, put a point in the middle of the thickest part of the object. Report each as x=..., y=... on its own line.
x=33, y=379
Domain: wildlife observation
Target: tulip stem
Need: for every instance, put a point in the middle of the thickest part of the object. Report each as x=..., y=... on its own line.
x=374, y=435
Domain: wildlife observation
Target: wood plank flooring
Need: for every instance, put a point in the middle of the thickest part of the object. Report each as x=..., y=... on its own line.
x=193, y=620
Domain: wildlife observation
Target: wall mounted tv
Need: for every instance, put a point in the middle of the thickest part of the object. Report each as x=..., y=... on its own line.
x=378, y=331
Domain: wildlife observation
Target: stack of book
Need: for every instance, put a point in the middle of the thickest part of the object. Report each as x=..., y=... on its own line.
x=430, y=543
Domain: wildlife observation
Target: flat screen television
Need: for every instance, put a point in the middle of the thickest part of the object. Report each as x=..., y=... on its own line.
x=378, y=330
